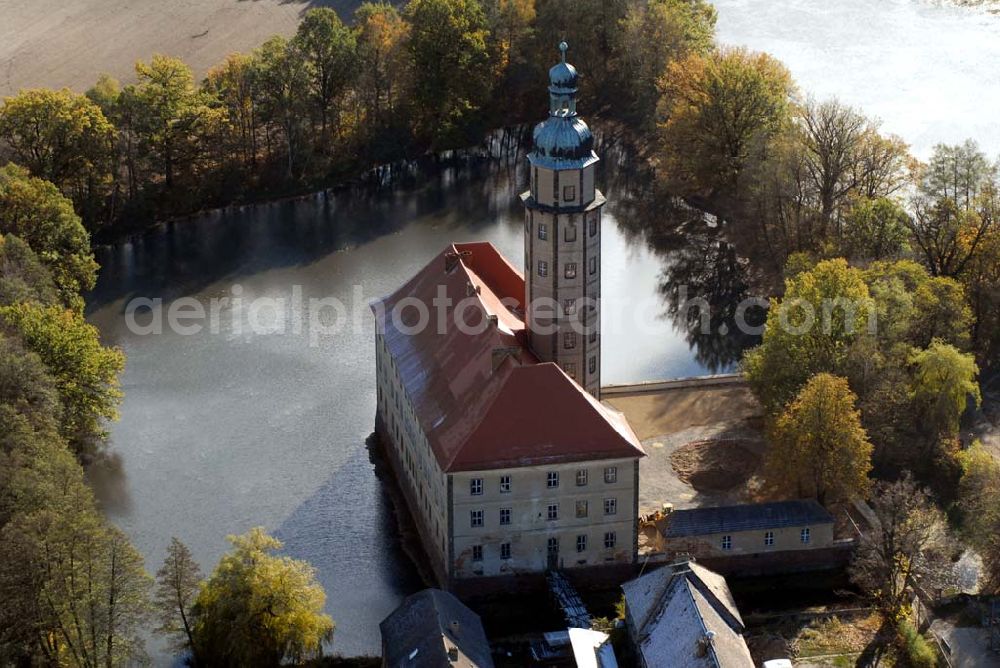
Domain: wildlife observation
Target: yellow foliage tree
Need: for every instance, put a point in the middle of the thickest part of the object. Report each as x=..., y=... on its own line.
x=819, y=447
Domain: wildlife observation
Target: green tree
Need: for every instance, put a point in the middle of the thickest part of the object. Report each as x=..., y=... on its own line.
x=825, y=313
x=718, y=108
x=177, y=585
x=85, y=372
x=23, y=277
x=282, y=82
x=819, y=448
x=944, y=379
x=451, y=69
x=651, y=36
x=329, y=49
x=35, y=211
x=381, y=36
x=259, y=609
x=233, y=83
x=64, y=138
x=876, y=229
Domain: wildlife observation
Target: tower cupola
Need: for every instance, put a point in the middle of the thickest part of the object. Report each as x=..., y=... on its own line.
x=563, y=139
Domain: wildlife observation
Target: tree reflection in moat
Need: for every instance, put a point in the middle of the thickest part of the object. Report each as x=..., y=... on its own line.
x=701, y=267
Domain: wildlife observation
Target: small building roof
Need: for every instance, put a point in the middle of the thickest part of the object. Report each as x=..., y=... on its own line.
x=684, y=616
x=480, y=395
x=745, y=517
x=428, y=625
x=592, y=649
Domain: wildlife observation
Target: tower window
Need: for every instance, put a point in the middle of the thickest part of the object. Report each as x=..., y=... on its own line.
x=570, y=270
x=569, y=340
x=543, y=268
x=593, y=335
x=569, y=233
x=593, y=225
x=571, y=370
x=569, y=307
x=543, y=231
x=592, y=365
x=569, y=193
x=593, y=266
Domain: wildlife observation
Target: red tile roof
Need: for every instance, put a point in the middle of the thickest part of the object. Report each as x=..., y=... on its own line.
x=480, y=395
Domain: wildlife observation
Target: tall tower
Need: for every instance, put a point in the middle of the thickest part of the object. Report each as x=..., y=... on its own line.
x=562, y=237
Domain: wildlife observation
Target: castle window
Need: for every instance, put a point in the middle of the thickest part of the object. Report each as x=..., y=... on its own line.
x=593, y=335
x=476, y=486
x=593, y=266
x=504, y=484
x=570, y=231
x=611, y=474
x=552, y=512
x=569, y=307
x=569, y=194
x=569, y=340
x=476, y=518
x=477, y=552
x=570, y=270
x=505, y=516
x=581, y=543
x=610, y=506
x=505, y=550
x=727, y=542
x=552, y=479
x=543, y=268
x=610, y=539
x=768, y=538
x=581, y=478
x=543, y=231
x=581, y=508
x=804, y=535
x=571, y=370
x=592, y=365
x=593, y=225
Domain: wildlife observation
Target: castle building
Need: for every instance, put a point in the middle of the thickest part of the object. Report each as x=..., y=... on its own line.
x=488, y=410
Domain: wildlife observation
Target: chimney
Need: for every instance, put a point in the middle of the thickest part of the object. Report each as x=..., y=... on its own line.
x=454, y=627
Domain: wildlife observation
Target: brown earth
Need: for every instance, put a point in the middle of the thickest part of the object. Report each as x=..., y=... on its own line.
x=714, y=465
x=69, y=43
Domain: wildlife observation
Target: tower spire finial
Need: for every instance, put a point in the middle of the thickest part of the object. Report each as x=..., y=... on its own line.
x=563, y=46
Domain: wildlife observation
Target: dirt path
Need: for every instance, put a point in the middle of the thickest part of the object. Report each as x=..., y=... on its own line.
x=57, y=43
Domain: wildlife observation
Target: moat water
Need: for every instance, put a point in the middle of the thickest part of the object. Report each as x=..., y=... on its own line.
x=223, y=431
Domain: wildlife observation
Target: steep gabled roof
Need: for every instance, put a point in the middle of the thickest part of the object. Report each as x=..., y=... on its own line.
x=745, y=517
x=422, y=630
x=676, y=609
x=479, y=393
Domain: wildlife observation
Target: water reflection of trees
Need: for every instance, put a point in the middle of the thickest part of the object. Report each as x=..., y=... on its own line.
x=701, y=268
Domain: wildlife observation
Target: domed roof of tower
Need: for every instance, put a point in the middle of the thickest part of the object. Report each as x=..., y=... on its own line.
x=562, y=75
x=563, y=140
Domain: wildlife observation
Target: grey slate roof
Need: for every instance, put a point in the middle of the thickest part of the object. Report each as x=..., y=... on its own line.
x=419, y=633
x=674, y=610
x=747, y=517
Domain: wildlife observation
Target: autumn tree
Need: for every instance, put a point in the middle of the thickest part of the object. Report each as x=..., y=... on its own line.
x=85, y=372
x=35, y=211
x=652, y=35
x=944, y=380
x=909, y=546
x=717, y=109
x=875, y=229
x=329, y=50
x=452, y=73
x=64, y=138
x=260, y=609
x=23, y=277
x=282, y=79
x=820, y=449
x=381, y=36
x=233, y=83
x=825, y=314
x=177, y=585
